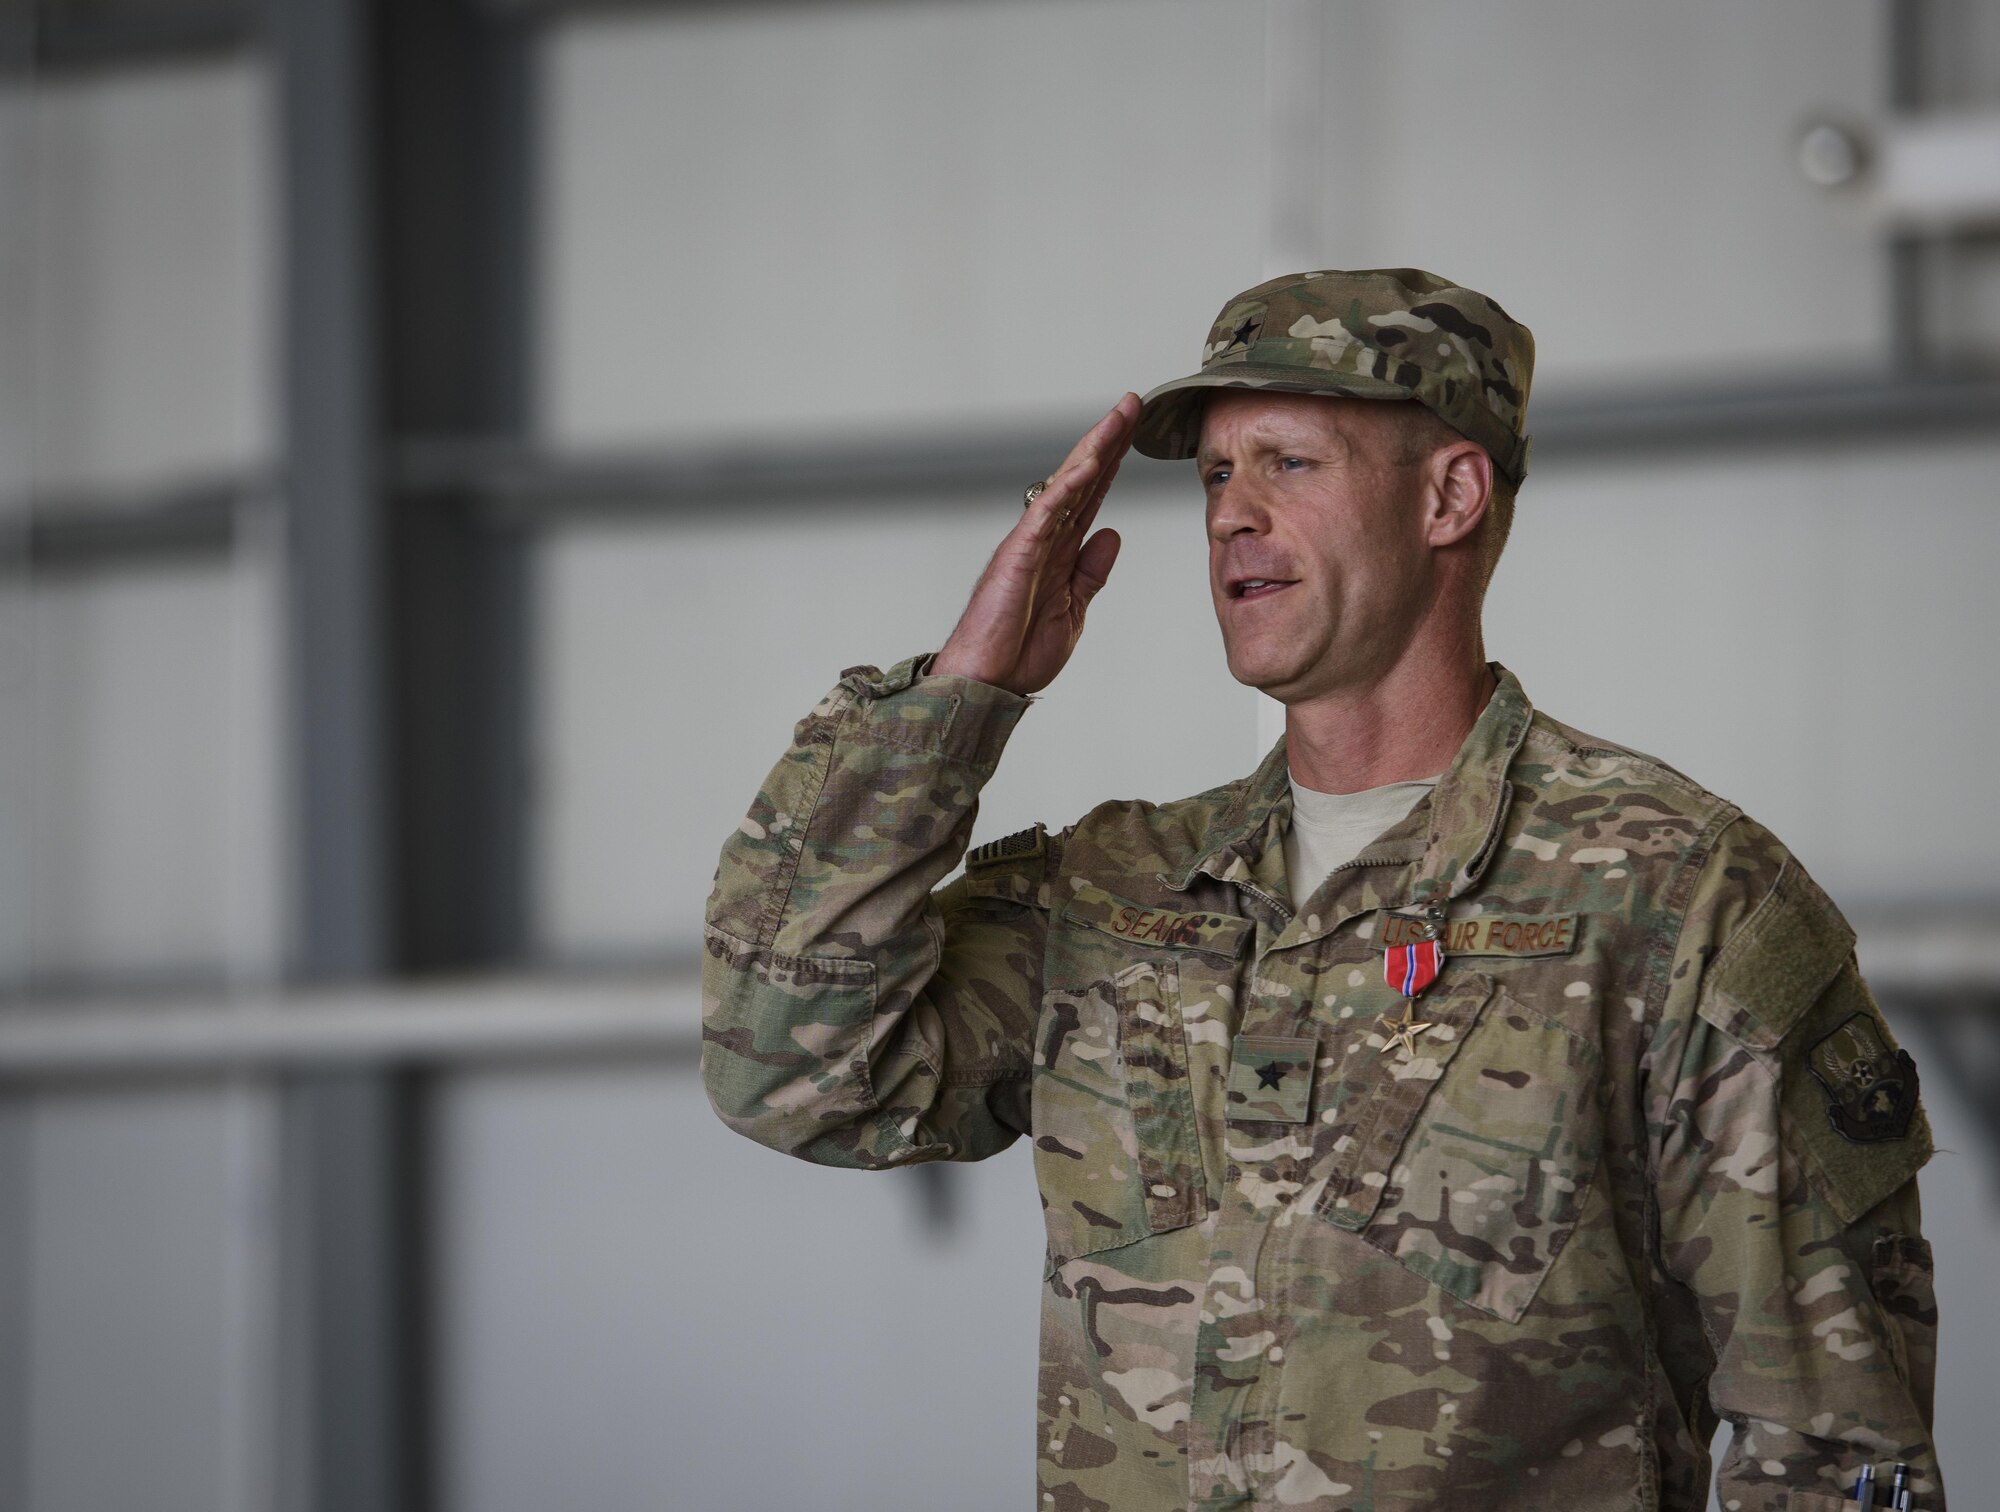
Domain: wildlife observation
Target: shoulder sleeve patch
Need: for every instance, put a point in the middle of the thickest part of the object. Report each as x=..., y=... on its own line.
x=1016, y=847
x=1776, y=966
x=1850, y=1100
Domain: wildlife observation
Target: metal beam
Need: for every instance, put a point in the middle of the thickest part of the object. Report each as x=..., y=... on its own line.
x=1848, y=412
x=515, y=482
x=545, y=10
x=351, y=1407
x=1926, y=966
x=335, y=563
x=1931, y=956
x=503, y=480
x=471, y=1021
x=354, y=1402
x=17, y=1211
x=88, y=34
x=17, y=1197
x=405, y=158
x=1957, y=1040
x=74, y=35
x=1908, y=28
x=455, y=141
x=199, y=518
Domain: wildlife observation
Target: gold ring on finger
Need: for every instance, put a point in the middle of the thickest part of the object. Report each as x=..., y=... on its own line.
x=1034, y=492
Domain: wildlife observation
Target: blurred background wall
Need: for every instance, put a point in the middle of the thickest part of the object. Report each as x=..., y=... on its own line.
x=444, y=444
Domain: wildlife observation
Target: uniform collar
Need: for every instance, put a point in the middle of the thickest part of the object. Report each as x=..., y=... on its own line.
x=1248, y=833
x=1470, y=803
x=1451, y=836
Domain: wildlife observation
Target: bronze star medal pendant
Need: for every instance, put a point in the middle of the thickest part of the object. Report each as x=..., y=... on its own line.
x=1412, y=957
x=1403, y=1030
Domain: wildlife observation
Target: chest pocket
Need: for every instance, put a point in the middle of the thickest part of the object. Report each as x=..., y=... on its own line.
x=1473, y=1172
x=1117, y=1155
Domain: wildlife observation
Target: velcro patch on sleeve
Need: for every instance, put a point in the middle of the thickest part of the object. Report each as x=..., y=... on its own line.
x=1776, y=966
x=1015, y=847
x=1487, y=935
x=1218, y=934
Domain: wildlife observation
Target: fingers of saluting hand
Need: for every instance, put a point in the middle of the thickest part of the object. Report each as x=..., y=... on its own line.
x=1049, y=516
x=1064, y=510
x=1111, y=435
x=1114, y=433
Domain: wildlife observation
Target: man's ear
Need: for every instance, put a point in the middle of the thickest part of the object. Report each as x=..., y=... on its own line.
x=1461, y=485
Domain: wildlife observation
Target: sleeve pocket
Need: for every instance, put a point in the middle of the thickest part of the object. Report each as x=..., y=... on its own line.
x=785, y=1052
x=1903, y=1278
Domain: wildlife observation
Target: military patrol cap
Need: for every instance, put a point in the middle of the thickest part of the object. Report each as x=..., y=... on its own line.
x=1374, y=333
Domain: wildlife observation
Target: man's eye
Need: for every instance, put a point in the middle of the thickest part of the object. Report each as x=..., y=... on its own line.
x=1292, y=463
x=1217, y=477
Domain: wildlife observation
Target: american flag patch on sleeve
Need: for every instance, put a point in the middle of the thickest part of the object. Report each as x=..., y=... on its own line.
x=1015, y=847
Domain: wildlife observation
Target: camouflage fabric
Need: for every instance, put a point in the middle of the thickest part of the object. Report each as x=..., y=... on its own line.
x=1511, y=1246
x=1377, y=333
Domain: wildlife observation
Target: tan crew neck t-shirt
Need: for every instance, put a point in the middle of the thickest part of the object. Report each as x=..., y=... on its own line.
x=1331, y=829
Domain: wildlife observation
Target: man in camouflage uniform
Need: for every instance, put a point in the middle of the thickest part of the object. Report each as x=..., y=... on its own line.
x=1641, y=1156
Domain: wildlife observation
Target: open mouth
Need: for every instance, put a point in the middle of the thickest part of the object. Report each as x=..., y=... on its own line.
x=1252, y=588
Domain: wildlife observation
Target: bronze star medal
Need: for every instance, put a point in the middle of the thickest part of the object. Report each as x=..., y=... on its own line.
x=1404, y=1030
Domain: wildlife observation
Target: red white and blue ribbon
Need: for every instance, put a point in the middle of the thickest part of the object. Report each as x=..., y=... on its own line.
x=1413, y=967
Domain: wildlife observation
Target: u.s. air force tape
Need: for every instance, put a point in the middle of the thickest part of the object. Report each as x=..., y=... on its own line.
x=1488, y=935
x=1014, y=847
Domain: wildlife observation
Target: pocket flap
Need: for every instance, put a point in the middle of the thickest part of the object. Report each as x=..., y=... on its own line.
x=1117, y=1154
x=1383, y=1095
x=1492, y=1180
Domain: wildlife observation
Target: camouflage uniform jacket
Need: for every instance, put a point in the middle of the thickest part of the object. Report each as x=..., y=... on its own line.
x=1648, y=1160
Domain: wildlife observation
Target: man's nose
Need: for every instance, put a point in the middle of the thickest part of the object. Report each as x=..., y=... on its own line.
x=1236, y=509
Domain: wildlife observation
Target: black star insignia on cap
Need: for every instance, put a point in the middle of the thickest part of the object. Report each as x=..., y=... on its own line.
x=1244, y=334
x=1270, y=1075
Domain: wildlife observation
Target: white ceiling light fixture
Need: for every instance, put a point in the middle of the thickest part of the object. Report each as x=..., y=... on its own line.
x=1932, y=172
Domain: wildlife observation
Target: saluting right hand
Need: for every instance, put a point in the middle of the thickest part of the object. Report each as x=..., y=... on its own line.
x=1026, y=611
